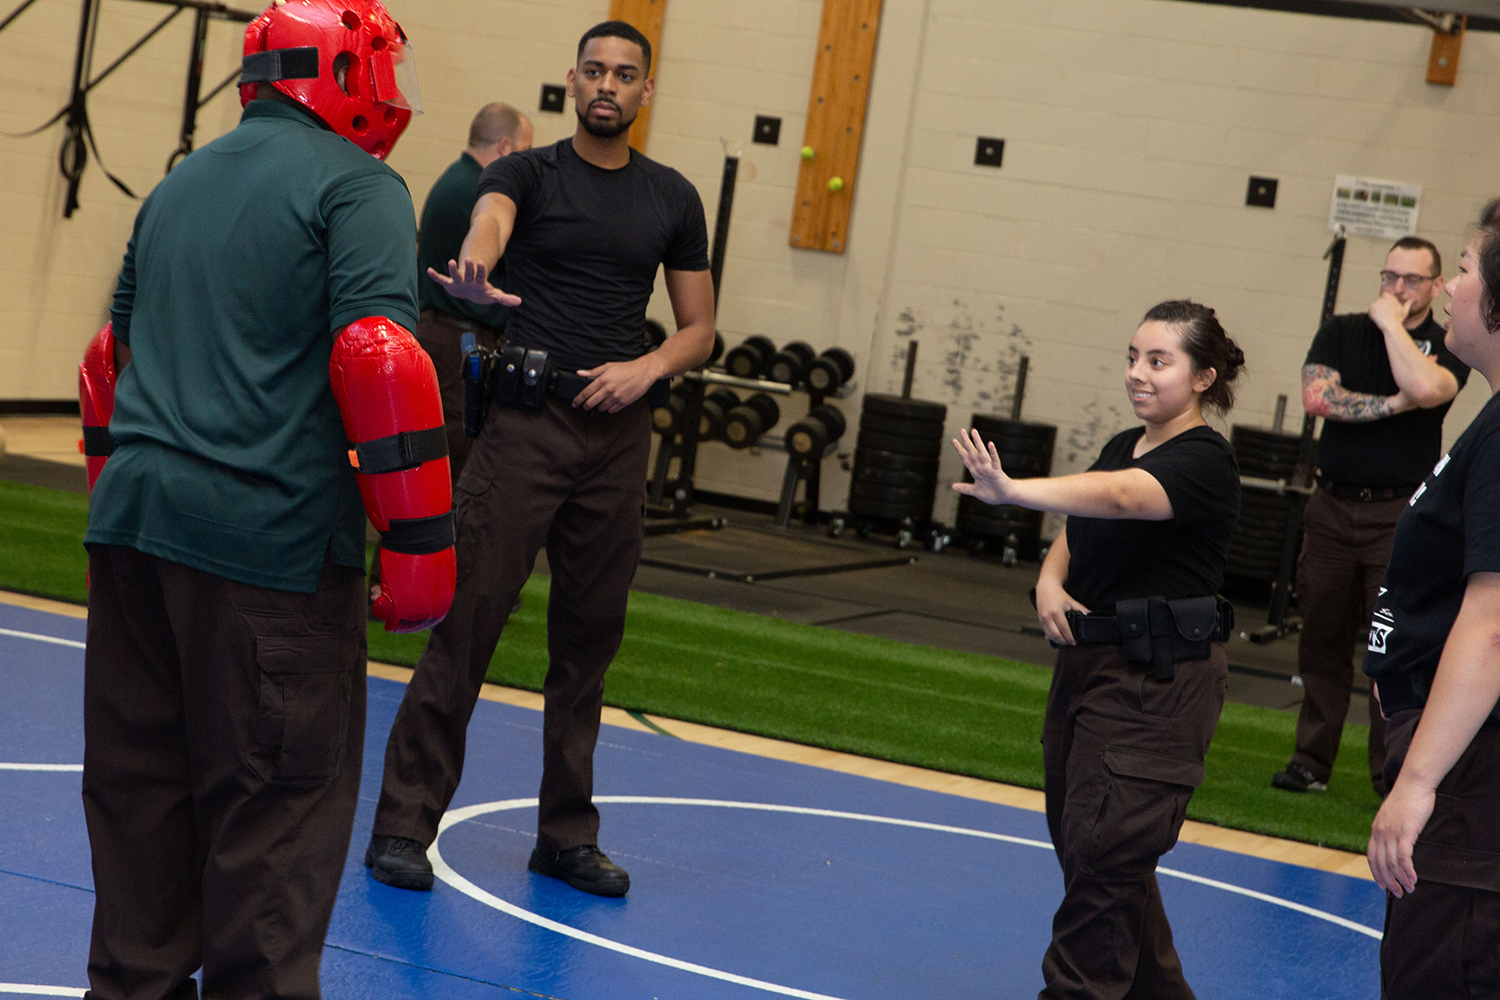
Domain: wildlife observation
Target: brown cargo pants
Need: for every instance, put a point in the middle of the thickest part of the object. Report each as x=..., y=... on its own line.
x=1122, y=753
x=224, y=729
x=1346, y=548
x=574, y=481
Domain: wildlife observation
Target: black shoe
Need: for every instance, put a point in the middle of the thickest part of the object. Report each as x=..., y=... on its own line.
x=583, y=867
x=1297, y=778
x=400, y=862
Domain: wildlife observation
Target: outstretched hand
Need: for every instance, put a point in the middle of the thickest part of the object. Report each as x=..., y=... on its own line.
x=470, y=281
x=991, y=484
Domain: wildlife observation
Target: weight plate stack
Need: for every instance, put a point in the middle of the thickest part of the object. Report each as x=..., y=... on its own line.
x=896, y=457
x=1255, y=549
x=1025, y=451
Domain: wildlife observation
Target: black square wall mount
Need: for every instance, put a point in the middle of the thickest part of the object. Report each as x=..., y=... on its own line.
x=767, y=129
x=1262, y=192
x=553, y=97
x=988, y=152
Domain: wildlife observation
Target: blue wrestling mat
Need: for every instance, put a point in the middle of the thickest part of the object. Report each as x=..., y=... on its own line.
x=751, y=878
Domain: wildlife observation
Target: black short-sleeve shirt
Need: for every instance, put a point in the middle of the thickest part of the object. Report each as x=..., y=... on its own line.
x=586, y=246
x=1396, y=451
x=1449, y=530
x=1114, y=560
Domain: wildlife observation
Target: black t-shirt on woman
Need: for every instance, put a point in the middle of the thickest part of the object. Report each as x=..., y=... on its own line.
x=1449, y=530
x=586, y=246
x=1113, y=560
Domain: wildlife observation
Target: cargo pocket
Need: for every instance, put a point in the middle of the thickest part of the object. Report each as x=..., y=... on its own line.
x=1144, y=805
x=302, y=721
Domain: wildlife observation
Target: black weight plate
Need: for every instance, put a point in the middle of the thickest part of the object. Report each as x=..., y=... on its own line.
x=883, y=424
x=895, y=477
x=832, y=418
x=989, y=425
x=875, y=458
x=1244, y=433
x=910, y=409
x=1026, y=466
x=996, y=527
x=896, y=512
x=806, y=439
x=900, y=444
x=1019, y=446
x=1002, y=512
x=881, y=493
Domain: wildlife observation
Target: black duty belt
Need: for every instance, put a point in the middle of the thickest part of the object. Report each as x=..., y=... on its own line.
x=1156, y=631
x=515, y=376
x=1367, y=494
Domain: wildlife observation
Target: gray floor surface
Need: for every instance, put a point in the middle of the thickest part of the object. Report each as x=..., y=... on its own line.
x=950, y=600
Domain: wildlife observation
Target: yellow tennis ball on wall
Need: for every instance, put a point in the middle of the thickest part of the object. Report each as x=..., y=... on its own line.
x=807, y=152
x=835, y=184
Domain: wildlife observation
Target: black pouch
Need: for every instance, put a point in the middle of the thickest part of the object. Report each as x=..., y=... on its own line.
x=1160, y=632
x=532, y=389
x=511, y=359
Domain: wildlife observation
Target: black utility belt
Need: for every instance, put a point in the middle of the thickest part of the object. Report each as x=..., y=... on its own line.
x=1366, y=494
x=1156, y=631
x=516, y=376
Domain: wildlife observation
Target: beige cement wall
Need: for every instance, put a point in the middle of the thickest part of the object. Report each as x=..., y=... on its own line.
x=1131, y=129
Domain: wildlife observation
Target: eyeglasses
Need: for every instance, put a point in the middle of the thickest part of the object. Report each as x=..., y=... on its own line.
x=1411, y=281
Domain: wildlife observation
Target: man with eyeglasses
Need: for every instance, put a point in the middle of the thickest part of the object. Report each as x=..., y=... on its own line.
x=1383, y=381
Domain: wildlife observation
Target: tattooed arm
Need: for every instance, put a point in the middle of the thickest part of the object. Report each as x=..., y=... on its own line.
x=1324, y=395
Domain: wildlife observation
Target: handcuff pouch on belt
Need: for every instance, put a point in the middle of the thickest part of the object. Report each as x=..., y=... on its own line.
x=1159, y=632
x=513, y=376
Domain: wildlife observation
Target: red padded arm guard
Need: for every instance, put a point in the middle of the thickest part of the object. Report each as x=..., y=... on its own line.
x=387, y=392
x=96, y=400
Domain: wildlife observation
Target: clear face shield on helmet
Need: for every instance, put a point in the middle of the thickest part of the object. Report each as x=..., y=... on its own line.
x=394, y=72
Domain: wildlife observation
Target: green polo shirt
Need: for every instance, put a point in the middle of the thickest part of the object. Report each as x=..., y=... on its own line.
x=445, y=223
x=230, y=454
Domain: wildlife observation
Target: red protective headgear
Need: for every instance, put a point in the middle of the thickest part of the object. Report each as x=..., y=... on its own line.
x=296, y=45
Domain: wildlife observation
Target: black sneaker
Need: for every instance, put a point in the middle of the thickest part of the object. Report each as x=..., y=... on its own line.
x=1297, y=778
x=583, y=867
x=400, y=862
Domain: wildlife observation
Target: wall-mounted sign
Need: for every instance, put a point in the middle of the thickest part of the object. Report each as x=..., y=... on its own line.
x=1365, y=207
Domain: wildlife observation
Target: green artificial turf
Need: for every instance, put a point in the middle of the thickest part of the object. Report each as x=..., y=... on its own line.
x=41, y=541
x=957, y=712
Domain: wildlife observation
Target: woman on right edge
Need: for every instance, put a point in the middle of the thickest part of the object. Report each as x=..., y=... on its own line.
x=1127, y=596
x=1434, y=653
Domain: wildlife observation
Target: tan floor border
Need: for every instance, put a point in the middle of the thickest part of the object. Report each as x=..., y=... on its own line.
x=1253, y=844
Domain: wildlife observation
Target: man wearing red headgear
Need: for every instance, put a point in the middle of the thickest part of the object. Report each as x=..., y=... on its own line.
x=271, y=398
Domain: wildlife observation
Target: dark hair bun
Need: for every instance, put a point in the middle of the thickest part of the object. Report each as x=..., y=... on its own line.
x=1204, y=340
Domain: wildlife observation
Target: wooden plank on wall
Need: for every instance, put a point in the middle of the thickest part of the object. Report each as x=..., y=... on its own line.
x=647, y=16
x=835, y=124
x=1442, y=62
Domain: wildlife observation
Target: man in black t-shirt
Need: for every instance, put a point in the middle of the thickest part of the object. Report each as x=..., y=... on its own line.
x=1383, y=381
x=583, y=224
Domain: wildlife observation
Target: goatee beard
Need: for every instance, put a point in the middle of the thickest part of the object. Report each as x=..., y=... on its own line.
x=603, y=130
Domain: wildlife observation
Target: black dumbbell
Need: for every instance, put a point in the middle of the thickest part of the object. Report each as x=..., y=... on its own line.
x=750, y=358
x=788, y=364
x=829, y=370
x=715, y=405
x=656, y=335
x=666, y=419
x=744, y=424
x=808, y=437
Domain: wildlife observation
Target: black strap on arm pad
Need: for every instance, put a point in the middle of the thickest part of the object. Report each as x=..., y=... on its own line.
x=97, y=443
x=402, y=451
x=419, y=536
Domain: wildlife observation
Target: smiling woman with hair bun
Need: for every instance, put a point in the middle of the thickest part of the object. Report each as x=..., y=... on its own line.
x=1128, y=597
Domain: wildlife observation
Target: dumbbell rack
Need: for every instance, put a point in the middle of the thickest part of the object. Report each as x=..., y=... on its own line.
x=684, y=447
